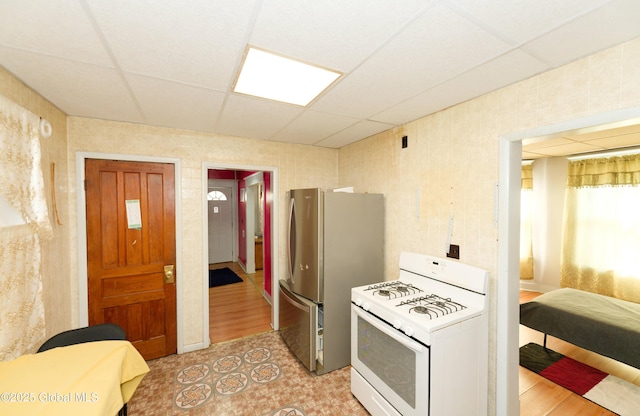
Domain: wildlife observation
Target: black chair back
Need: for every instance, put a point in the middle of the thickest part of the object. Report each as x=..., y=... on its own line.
x=100, y=332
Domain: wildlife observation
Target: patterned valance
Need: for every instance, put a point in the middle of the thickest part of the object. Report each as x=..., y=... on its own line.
x=612, y=171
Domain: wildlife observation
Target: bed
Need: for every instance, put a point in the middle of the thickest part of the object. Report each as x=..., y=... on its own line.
x=602, y=324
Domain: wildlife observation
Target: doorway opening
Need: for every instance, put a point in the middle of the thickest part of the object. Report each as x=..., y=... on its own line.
x=239, y=216
x=508, y=282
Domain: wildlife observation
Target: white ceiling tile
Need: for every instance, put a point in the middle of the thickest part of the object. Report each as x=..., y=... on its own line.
x=572, y=148
x=523, y=20
x=248, y=117
x=337, y=34
x=170, y=63
x=618, y=131
x=531, y=155
x=502, y=71
x=312, y=126
x=433, y=49
x=77, y=89
x=610, y=25
x=364, y=129
x=170, y=104
x=534, y=144
x=63, y=30
x=195, y=42
x=617, y=141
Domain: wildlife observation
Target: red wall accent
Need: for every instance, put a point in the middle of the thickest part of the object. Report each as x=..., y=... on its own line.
x=221, y=174
x=242, y=223
x=266, y=237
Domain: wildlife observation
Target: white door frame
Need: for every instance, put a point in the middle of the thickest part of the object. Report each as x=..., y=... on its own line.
x=251, y=182
x=275, y=299
x=81, y=198
x=508, y=284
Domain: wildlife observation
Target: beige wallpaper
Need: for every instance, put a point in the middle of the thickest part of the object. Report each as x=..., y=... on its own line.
x=450, y=167
x=297, y=166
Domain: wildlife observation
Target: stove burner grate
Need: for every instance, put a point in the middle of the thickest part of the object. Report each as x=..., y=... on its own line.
x=393, y=290
x=433, y=306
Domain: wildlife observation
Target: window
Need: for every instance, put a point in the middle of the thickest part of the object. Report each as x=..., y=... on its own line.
x=601, y=236
x=216, y=196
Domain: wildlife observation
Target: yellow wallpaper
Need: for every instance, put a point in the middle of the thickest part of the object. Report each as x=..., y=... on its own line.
x=298, y=166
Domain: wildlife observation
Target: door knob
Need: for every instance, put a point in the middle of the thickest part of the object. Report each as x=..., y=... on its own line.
x=168, y=274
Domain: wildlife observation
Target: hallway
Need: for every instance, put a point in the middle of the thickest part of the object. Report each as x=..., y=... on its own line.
x=238, y=310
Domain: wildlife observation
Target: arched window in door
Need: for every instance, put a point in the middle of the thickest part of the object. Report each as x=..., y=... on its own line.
x=216, y=196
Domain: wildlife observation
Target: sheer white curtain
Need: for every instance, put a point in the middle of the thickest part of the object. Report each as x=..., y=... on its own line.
x=601, y=238
x=22, y=194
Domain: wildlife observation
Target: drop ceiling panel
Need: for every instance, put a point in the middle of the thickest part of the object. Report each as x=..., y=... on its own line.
x=247, y=117
x=523, y=20
x=354, y=133
x=312, y=126
x=428, y=52
x=536, y=144
x=504, y=70
x=570, y=148
x=142, y=60
x=625, y=140
x=531, y=156
x=170, y=104
x=619, y=131
x=194, y=42
x=336, y=34
x=59, y=29
x=78, y=89
x=585, y=35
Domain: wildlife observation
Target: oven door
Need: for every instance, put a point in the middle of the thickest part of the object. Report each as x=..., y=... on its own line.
x=393, y=365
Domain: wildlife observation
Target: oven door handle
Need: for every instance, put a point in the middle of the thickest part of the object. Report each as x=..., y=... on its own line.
x=386, y=330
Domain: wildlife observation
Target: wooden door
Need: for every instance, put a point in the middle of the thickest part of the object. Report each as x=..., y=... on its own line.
x=127, y=257
x=220, y=225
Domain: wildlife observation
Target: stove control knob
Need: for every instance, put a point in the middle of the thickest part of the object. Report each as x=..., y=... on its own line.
x=409, y=331
x=397, y=324
x=359, y=302
x=366, y=306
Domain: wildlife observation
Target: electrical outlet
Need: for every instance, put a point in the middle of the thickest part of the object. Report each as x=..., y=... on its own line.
x=454, y=251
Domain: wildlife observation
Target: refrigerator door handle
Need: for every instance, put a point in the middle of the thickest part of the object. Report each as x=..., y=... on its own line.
x=293, y=300
x=290, y=251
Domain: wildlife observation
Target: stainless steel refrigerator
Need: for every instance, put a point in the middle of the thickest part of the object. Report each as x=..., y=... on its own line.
x=335, y=242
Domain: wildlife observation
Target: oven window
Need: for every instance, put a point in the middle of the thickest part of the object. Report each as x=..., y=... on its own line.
x=391, y=361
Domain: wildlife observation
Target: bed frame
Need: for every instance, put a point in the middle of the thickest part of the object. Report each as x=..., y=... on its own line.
x=602, y=324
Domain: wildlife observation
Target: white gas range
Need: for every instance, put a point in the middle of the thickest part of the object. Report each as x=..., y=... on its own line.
x=419, y=344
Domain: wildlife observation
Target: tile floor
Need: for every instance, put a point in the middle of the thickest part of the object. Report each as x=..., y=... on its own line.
x=256, y=375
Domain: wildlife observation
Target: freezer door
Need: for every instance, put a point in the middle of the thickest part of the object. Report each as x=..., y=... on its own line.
x=298, y=325
x=305, y=243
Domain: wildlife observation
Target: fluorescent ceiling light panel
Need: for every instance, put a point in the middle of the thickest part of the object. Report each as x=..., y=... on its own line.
x=266, y=75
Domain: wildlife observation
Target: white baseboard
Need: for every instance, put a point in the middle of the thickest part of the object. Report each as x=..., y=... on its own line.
x=193, y=347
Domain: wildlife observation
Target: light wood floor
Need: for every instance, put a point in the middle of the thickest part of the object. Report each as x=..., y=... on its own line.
x=539, y=396
x=239, y=309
